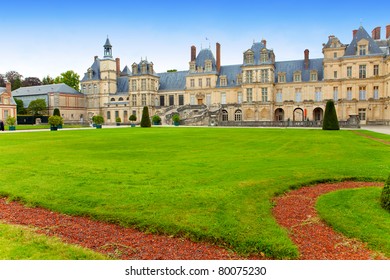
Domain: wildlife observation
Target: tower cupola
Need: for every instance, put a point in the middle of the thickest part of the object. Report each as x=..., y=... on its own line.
x=107, y=49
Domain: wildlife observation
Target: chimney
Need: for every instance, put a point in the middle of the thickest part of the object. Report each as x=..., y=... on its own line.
x=193, y=53
x=376, y=33
x=306, y=59
x=95, y=58
x=218, y=51
x=8, y=87
x=264, y=42
x=387, y=31
x=354, y=33
x=118, y=67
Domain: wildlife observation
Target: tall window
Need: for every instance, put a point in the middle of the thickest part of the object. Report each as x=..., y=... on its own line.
x=362, y=71
x=200, y=82
x=223, y=82
x=249, y=58
x=143, y=100
x=192, y=99
x=297, y=77
x=208, y=66
x=264, y=94
x=313, y=76
x=279, y=96
x=225, y=116
x=335, y=93
x=239, y=97
x=249, y=96
x=362, y=50
x=223, y=98
x=192, y=83
x=143, y=84
x=171, y=100
x=349, y=71
x=362, y=114
x=208, y=82
x=335, y=74
x=134, y=100
x=208, y=99
x=133, y=85
x=238, y=115
x=362, y=93
x=349, y=93
x=108, y=115
x=249, y=76
x=264, y=75
x=264, y=56
x=181, y=99
x=298, y=95
x=376, y=92
x=376, y=70
x=317, y=94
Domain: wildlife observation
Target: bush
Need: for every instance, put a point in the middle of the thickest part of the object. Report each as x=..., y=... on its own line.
x=385, y=196
x=330, y=118
x=10, y=120
x=176, y=118
x=118, y=119
x=56, y=112
x=55, y=120
x=133, y=118
x=145, y=121
x=97, y=119
x=156, y=119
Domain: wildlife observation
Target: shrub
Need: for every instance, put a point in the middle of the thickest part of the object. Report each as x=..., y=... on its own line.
x=176, y=118
x=385, y=196
x=156, y=119
x=133, y=118
x=97, y=119
x=145, y=121
x=56, y=112
x=55, y=120
x=118, y=119
x=10, y=120
x=330, y=118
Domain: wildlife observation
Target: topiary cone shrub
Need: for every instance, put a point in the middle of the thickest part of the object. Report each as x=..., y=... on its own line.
x=145, y=121
x=330, y=118
x=385, y=196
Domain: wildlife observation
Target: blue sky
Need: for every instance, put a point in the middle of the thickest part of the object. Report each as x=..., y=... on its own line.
x=42, y=38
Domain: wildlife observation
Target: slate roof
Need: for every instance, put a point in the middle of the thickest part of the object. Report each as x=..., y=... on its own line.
x=126, y=71
x=231, y=72
x=373, y=48
x=95, y=72
x=122, y=84
x=12, y=101
x=45, y=89
x=289, y=67
x=205, y=54
x=173, y=80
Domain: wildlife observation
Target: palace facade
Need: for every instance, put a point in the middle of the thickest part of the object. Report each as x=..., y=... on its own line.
x=259, y=91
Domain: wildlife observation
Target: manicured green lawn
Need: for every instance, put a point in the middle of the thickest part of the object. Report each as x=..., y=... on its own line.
x=213, y=184
x=21, y=243
x=40, y=126
x=357, y=213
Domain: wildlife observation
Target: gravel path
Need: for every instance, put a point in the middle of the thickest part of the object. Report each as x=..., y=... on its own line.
x=315, y=240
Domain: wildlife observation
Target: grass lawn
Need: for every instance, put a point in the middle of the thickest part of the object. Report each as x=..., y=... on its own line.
x=357, y=213
x=40, y=126
x=21, y=243
x=213, y=184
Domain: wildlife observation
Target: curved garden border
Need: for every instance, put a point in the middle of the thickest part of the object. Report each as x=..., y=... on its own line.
x=315, y=240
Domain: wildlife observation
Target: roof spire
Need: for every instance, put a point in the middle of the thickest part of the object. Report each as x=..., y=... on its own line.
x=107, y=49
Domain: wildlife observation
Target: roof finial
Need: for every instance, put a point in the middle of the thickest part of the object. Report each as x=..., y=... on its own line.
x=361, y=22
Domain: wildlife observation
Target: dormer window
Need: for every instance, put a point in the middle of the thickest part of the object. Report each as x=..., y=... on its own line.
x=313, y=76
x=239, y=79
x=223, y=81
x=90, y=73
x=192, y=67
x=144, y=68
x=135, y=68
x=208, y=66
x=263, y=56
x=282, y=77
x=362, y=49
x=249, y=57
x=151, y=68
x=297, y=76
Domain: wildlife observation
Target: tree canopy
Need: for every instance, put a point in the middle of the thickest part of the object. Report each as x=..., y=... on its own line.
x=31, y=81
x=37, y=107
x=69, y=78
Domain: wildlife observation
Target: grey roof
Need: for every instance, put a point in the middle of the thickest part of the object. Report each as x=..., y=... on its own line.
x=289, y=67
x=203, y=55
x=122, y=84
x=107, y=44
x=231, y=72
x=95, y=72
x=126, y=71
x=257, y=48
x=373, y=48
x=173, y=80
x=42, y=90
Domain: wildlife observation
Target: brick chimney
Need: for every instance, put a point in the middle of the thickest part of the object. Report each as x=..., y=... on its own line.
x=306, y=62
x=118, y=66
x=354, y=33
x=218, y=52
x=193, y=53
x=387, y=31
x=8, y=87
x=376, y=33
x=264, y=42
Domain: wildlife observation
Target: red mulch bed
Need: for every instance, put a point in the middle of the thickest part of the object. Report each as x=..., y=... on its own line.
x=315, y=240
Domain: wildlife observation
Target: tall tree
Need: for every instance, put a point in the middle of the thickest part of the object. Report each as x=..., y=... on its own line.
x=31, y=81
x=20, y=107
x=330, y=118
x=47, y=80
x=37, y=107
x=15, y=79
x=2, y=81
x=145, y=121
x=69, y=78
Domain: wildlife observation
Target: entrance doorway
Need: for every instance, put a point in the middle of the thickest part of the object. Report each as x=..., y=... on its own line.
x=318, y=114
x=279, y=115
x=298, y=115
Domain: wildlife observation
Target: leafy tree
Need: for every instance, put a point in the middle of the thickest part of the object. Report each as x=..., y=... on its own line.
x=330, y=118
x=37, y=107
x=385, y=196
x=69, y=78
x=31, y=81
x=47, y=80
x=145, y=121
x=2, y=81
x=20, y=107
x=15, y=79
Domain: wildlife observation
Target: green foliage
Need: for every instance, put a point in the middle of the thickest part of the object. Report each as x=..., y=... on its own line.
x=385, y=196
x=56, y=112
x=10, y=120
x=118, y=119
x=133, y=118
x=357, y=214
x=69, y=78
x=176, y=118
x=98, y=119
x=55, y=120
x=330, y=118
x=37, y=107
x=172, y=70
x=22, y=243
x=47, y=80
x=156, y=119
x=145, y=121
x=218, y=188
x=20, y=107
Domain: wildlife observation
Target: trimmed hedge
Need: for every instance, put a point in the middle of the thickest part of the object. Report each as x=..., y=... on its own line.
x=385, y=196
x=330, y=118
x=145, y=121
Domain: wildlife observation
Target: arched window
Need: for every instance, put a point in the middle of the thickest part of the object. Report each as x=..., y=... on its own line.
x=120, y=99
x=225, y=116
x=113, y=99
x=238, y=115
